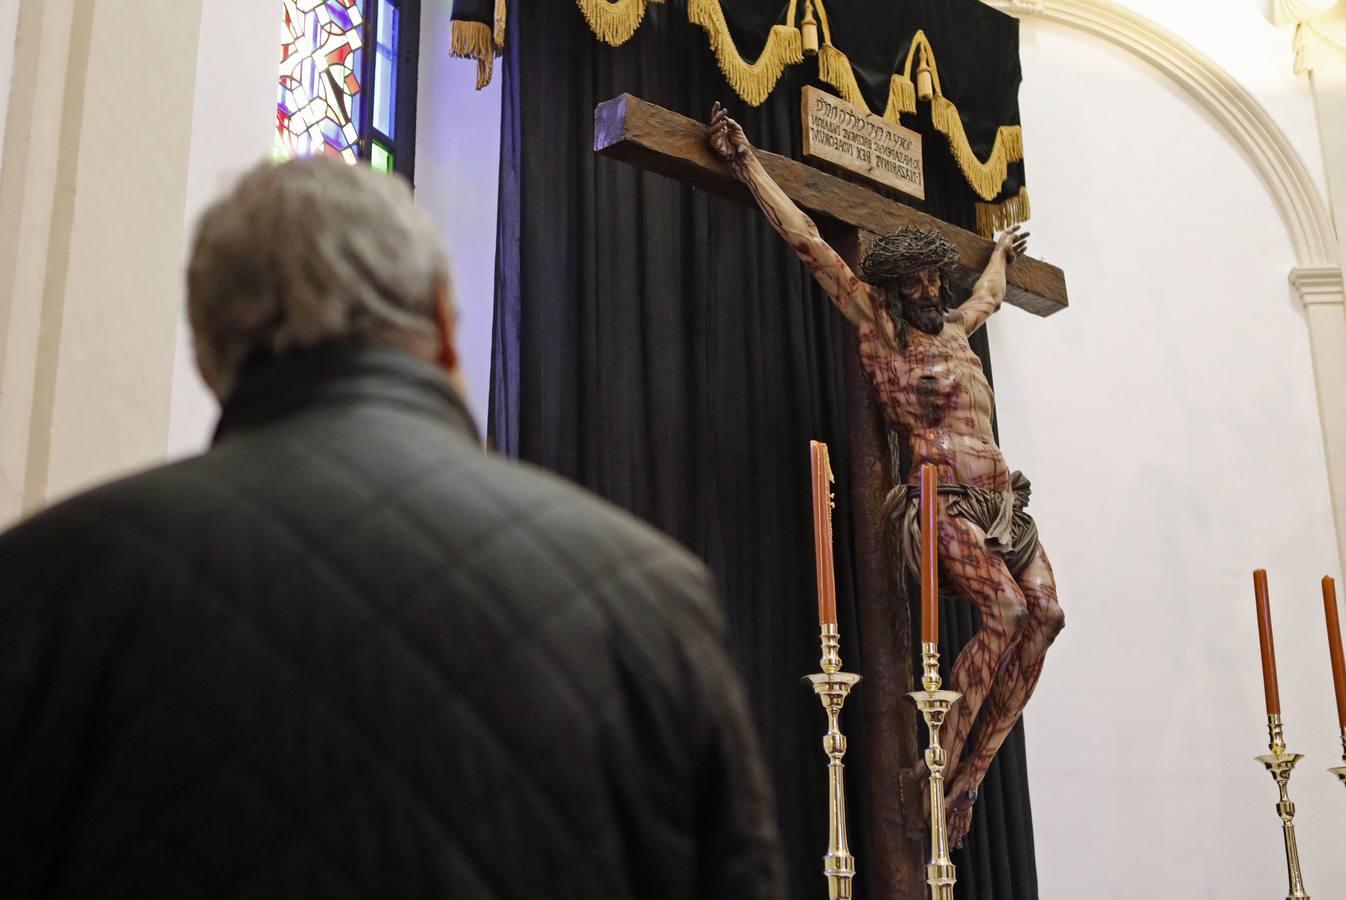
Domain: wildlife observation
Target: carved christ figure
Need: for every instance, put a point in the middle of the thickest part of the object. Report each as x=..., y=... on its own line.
x=933, y=393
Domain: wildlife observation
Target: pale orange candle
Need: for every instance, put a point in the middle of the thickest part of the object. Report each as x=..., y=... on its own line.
x=929, y=554
x=1334, y=646
x=1269, y=684
x=822, y=532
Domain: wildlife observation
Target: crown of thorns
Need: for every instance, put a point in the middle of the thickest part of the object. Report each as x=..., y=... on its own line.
x=905, y=251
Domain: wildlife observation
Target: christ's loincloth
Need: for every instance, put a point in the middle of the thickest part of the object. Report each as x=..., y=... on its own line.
x=1011, y=533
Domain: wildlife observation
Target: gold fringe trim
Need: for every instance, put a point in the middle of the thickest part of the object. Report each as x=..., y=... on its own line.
x=752, y=81
x=834, y=67
x=474, y=40
x=901, y=98
x=499, y=33
x=993, y=217
x=986, y=177
x=614, y=22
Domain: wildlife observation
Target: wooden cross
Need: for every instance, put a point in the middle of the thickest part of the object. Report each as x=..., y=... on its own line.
x=649, y=136
x=635, y=131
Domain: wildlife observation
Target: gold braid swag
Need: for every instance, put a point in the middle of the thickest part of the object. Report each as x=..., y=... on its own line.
x=614, y=22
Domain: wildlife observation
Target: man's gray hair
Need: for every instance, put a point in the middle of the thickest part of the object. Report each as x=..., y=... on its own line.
x=310, y=252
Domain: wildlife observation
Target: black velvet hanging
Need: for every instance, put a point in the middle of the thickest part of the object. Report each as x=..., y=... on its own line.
x=666, y=349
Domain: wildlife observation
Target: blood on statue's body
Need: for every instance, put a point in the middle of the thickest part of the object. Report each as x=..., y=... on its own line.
x=935, y=379
x=934, y=394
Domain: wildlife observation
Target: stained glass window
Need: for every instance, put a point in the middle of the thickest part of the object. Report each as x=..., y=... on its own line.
x=342, y=93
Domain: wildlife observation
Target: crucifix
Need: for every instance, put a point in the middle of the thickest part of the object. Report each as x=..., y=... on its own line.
x=909, y=369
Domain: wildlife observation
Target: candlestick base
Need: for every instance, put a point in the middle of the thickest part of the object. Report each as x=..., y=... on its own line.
x=833, y=687
x=934, y=705
x=1281, y=763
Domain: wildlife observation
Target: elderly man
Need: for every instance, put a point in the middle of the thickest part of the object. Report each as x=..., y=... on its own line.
x=346, y=653
x=933, y=393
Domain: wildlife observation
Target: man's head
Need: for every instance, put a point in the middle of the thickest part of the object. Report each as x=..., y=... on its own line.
x=912, y=266
x=315, y=252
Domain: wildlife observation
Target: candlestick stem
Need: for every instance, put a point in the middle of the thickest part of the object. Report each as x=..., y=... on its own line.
x=832, y=687
x=934, y=705
x=1340, y=771
x=831, y=646
x=1281, y=763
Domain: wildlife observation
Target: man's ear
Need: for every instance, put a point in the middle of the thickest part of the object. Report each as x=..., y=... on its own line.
x=446, y=322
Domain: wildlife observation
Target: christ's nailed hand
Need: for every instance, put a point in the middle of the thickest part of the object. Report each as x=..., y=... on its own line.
x=1013, y=243
x=726, y=137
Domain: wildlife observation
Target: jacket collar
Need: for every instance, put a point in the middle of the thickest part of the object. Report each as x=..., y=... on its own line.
x=273, y=387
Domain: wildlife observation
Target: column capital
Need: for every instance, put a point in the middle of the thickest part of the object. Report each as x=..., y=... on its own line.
x=1318, y=285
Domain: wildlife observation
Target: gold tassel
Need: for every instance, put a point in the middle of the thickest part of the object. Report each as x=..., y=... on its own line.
x=993, y=217
x=499, y=34
x=920, y=44
x=474, y=40
x=986, y=178
x=752, y=81
x=808, y=28
x=822, y=19
x=614, y=22
x=925, y=84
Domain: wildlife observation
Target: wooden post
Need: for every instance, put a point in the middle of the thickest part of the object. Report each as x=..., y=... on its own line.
x=897, y=866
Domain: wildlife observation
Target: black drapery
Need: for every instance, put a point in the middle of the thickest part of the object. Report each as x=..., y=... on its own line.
x=976, y=54
x=667, y=350
x=872, y=60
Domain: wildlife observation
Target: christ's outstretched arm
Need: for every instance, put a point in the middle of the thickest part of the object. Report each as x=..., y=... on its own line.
x=851, y=295
x=989, y=291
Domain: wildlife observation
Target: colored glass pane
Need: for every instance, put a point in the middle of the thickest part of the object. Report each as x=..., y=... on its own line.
x=379, y=157
x=385, y=68
x=322, y=52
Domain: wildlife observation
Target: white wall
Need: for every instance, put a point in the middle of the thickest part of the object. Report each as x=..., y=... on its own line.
x=1169, y=421
x=1239, y=36
x=457, y=169
x=9, y=24
x=91, y=197
x=233, y=122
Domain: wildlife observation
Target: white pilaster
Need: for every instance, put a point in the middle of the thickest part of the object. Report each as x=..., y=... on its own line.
x=91, y=228
x=1320, y=290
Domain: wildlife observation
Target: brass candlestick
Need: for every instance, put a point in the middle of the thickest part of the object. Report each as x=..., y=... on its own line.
x=1340, y=771
x=1280, y=763
x=832, y=687
x=934, y=705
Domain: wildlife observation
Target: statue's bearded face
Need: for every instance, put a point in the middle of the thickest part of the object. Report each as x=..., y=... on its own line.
x=920, y=296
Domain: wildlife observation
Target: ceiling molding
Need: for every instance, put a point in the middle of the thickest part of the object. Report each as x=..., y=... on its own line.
x=1252, y=128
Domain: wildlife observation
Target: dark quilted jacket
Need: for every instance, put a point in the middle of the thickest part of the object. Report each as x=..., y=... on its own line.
x=347, y=654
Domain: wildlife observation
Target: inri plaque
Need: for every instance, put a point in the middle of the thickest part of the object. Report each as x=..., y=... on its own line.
x=857, y=141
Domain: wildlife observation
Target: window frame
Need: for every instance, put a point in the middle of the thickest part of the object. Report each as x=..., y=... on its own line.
x=406, y=68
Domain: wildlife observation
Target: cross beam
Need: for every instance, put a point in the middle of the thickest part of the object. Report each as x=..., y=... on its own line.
x=636, y=131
